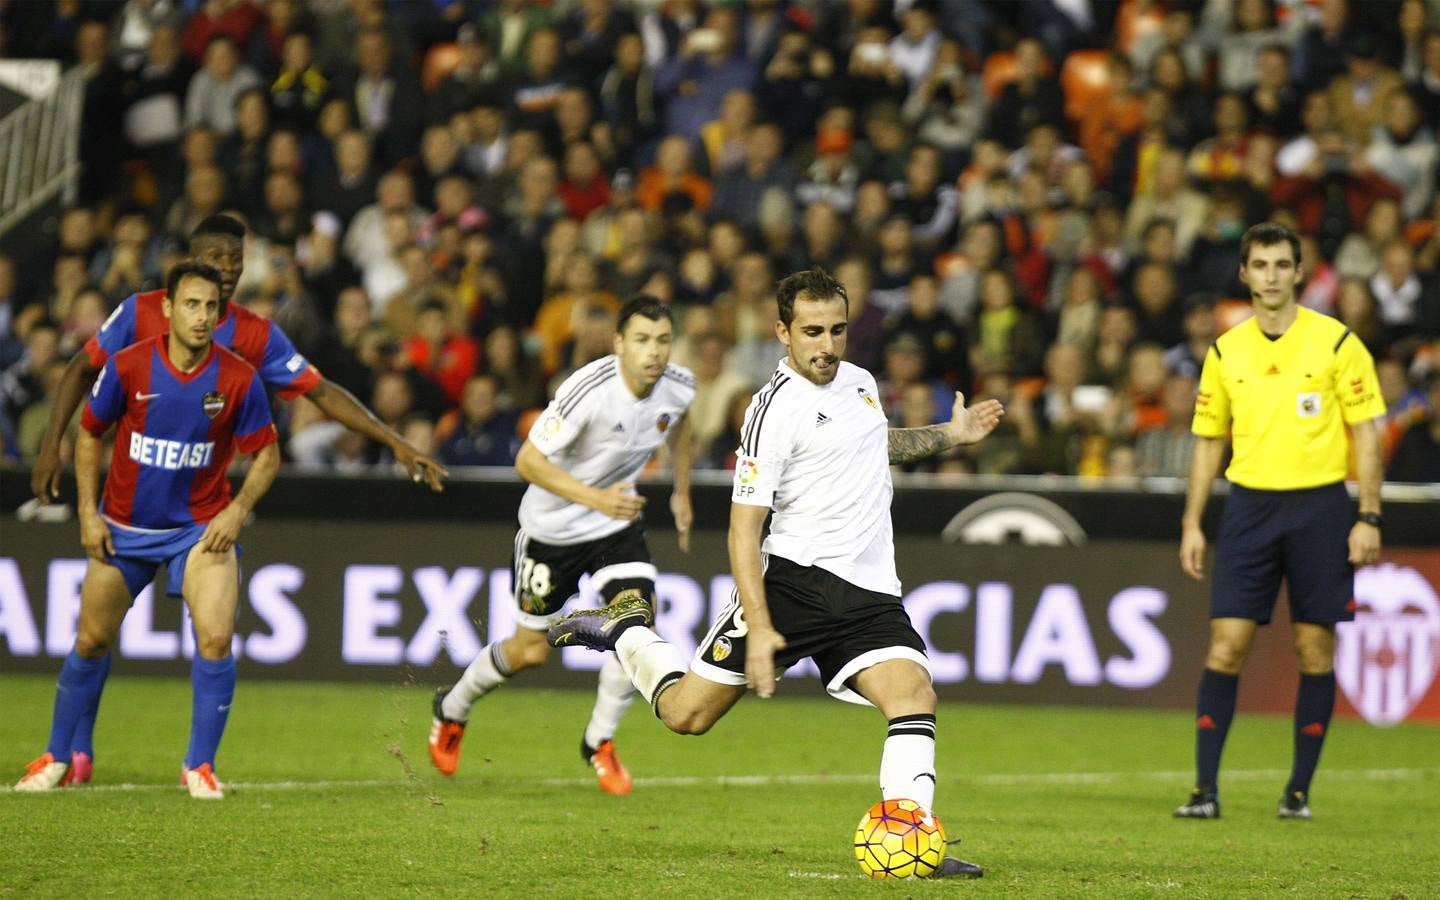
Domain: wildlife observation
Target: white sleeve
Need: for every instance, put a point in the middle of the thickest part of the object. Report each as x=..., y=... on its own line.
x=766, y=442
x=566, y=416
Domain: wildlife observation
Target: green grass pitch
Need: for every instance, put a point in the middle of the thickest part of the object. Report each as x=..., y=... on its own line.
x=332, y=794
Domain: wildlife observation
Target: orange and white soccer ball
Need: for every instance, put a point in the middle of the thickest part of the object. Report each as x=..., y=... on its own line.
x=899, y=839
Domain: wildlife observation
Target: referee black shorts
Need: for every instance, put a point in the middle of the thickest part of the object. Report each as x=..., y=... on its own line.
x=1300, y=536
x=845, y=629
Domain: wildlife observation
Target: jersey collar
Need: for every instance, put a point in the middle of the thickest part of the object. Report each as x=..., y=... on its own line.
x=163, y=348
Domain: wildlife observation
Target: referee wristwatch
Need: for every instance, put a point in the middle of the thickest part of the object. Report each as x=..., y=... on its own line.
x=1370, y=518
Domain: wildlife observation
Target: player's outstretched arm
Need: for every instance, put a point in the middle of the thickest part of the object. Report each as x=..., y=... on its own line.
x=94, y=533
x=762, y=641
x=222, y=532
x=1364, y=541
x=74, y=384
x=682, y=461
x=618, y=501
x=1204, y=466
x=966, y=426
x=341, y=405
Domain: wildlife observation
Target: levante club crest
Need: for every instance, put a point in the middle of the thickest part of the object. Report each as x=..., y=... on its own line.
x=213, y=403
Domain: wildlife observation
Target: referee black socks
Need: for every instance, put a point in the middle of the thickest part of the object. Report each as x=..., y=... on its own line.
x=1313, y=706
x=1214, y=710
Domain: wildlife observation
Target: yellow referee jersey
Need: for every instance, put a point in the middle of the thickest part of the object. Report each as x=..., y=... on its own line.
x=1284, y=400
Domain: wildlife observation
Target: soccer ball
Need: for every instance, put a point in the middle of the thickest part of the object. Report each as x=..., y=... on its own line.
x=899, y=839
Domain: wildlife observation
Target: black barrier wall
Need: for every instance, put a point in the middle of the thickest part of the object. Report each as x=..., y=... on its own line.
x=1112, y=623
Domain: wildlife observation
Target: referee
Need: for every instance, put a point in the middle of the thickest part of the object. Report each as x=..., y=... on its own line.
x=1283, y=384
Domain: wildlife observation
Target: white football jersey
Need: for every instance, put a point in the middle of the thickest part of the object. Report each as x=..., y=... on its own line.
x=820, y=458
x=602, y=434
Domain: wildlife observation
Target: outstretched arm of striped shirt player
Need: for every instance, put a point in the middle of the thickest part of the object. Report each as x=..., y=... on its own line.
x=966, y=426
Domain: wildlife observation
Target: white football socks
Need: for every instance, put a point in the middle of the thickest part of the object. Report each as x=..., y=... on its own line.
x=907, y=767
x=648, y=660
x=612, y=698
x=486, y=672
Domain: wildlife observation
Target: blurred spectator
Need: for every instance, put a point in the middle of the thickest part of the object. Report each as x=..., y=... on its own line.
x=834, y=175
x=102, y=120
x=1157, y=304
x=1320, y=52
x=436, y=352
x=1426, y=86
x=540, y=81
x=382, y=94
x=133, y=29
x=1360, y=94
x=586, y=187
x=22, y=384
x=1168, y=196
x=476, y=78
x=233, y=20
x=1332, y=191
x=478, y=433
x=155, y=90
x=1396, y=287
x=1250, y=31
x=1404, y=153
x=723, y=139
x=942, y=337
x=1188, y=356
x=762, y=167
x=509, y=25
x=300, y=89
x=931, y=207
x=1006, y=336
x=1417, y=458
x=693, y=83
x=716, y=385
x=627, y=96
x=1359, y=254
x=673, y=173
x=559, y=319
x=215, y=89
x=1165, y=451
x=799, y=79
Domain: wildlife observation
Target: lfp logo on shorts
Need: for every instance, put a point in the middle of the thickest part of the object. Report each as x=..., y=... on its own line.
x=1387, y=658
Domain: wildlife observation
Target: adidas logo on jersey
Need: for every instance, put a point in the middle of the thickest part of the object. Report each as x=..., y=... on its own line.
x=619, y=428
x=822, y=420
x=163, y=454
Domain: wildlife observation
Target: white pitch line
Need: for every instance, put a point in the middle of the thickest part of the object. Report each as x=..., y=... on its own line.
x=1019, y=779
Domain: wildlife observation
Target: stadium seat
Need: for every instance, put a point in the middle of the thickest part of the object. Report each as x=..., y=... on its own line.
x=1231, y=312
x=439, y=62
x=1137, y=19
x=999, y=70
x=1085, y=80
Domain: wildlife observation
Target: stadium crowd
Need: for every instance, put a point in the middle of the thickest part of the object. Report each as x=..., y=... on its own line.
x=1039, y=201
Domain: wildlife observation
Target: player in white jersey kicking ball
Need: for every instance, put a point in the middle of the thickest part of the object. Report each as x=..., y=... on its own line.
x=581, y=515
x=817, y=449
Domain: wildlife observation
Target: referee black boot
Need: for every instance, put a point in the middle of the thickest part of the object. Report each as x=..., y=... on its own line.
x=599, y=629
x=950, y=867
x=1203, y=804
x=1294, y=805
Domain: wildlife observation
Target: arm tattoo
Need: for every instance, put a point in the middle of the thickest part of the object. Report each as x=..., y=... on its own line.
x=910, y=444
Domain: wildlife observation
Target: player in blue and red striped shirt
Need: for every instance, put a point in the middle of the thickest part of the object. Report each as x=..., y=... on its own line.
x=183, y=405
x=217, y=241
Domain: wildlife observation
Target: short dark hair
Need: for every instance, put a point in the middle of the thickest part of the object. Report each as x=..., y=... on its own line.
x=817, y=283
x=191, y=269
x=220, y=224
x=1268, y=234
x=645, y=306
